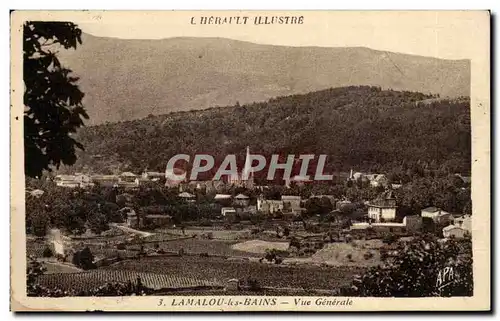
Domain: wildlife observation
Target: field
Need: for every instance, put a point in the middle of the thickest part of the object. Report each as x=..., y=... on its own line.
x=56, y=267
x=199, y=246
x=219, y=234
x=208, y=268
x=260, y=247
x=90, y=280
x=357, y=253
x=330, y=268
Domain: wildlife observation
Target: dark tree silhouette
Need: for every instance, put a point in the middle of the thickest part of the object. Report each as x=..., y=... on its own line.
x=52, y=100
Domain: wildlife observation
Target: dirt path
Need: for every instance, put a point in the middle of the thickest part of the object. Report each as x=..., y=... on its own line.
x=131, y=230
x=58, y=267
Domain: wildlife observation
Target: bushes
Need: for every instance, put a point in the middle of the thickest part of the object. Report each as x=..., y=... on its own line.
x=414, y=270
x=47, y=252
x=319, y=245
x=84, y=259
x=256, y=230
x=205, y=222
x=276, y=256
x=389, y=238
x=306, y=251
x=384, y=255
x=295, y=242
x=253, y=284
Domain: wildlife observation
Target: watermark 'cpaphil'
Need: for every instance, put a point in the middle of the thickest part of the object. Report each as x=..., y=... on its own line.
x=254, y=163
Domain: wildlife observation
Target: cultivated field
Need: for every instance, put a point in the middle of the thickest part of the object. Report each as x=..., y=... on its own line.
x=85, y=281
x=357, y=253
x=211, y=247
x=209, y=268
x=260, y=247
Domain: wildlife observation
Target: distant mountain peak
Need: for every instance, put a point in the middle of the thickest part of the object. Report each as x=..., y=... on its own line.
x=126, y=79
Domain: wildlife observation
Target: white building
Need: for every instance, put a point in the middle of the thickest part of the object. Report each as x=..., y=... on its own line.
x=383, y=208
x=437, y=215
x=220, y=197
x=132, y=219
x=66, y=181
x=410, y=224
x=454, y=231
x=464, y=221
x=269, y=206
x=73, y=181
x=379, y=180
x=297, y=180
x=228, y=211
x=188, y=197
x=291, y=203
x=153, y=176
x=241, y=200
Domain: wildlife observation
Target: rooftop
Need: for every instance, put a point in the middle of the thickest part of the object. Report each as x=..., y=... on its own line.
x=433, y=209
x=222, y=196
x=290, y=197
x=186, y=195
x=452, y=227
x=128, y=174
x=158, y=216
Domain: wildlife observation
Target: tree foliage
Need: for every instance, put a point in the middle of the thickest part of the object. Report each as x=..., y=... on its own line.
x=364, y=128
x=52, y=99
x=436, y=189
x=84, y=259
x=417, y=270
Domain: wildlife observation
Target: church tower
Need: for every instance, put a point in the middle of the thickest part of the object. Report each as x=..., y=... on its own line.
x=247, y=175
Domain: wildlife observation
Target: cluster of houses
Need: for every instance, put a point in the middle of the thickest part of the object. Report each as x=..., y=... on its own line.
x=374, y=180
x=380, y=216
x=134, y=221
x=125, y=179
x=288, y=205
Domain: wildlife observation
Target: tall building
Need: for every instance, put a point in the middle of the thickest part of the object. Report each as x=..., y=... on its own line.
x=246, y=177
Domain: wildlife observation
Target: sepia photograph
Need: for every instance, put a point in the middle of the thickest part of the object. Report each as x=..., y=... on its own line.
x=250, y=161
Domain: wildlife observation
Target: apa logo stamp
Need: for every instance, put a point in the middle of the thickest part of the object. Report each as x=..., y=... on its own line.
x=446, y=277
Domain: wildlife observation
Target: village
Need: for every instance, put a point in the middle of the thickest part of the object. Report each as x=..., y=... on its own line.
x=377, y=214
x=232, y=234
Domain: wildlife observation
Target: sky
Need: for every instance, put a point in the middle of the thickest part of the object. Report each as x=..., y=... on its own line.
x=442, y=34
x=445, y=34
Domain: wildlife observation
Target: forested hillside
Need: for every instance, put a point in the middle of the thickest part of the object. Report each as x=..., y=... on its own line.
x=364, y=128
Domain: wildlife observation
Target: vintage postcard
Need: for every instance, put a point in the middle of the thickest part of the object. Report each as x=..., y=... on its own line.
x=250, y=161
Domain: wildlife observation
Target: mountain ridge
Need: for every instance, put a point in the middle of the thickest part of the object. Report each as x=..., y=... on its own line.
x=126, y=79
x=268, y=45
